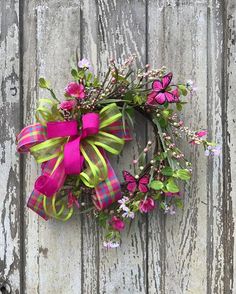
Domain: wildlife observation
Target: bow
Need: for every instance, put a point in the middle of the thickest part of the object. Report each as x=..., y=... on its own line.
x=65, y=149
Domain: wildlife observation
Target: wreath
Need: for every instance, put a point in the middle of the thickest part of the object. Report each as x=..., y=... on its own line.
x=72, y=140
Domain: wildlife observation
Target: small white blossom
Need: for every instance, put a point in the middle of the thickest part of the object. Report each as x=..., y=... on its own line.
x=122, y=202
x=111, y=244
x=127, y=213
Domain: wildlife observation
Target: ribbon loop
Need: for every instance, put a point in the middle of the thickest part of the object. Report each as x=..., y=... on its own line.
x=90, y=124
x=73, y=159
x=62, y=129
x=65, y=149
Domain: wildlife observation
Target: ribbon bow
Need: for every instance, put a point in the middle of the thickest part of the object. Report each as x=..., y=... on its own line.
x=64, y=149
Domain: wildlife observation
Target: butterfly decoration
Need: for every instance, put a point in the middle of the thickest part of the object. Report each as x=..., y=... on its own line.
x=160, y=94
x=133, y=184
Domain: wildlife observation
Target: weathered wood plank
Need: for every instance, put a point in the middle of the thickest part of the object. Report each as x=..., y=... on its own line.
x=229, y=143
x=9, y=126
x=189, y=253
x=215, y=258
x=90, y=235
x=121, y=33
x=179, y=39
x=53, y=249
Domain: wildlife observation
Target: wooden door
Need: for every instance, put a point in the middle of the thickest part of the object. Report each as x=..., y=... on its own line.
x=192, y=252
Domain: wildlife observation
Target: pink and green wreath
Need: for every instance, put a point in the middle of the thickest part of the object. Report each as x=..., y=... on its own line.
x=73, y=139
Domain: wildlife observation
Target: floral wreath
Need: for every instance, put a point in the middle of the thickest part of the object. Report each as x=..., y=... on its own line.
x=72, y=140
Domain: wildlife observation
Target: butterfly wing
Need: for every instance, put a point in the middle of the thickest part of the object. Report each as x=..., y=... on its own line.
x=151, y=98
x=157, y=86
x=160, y=98
x=166, y=80
x=130, y=181
x=143, y=183
x=170, y=97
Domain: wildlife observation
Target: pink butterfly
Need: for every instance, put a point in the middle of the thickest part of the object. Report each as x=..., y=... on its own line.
x=159, y=94
x=133, y=184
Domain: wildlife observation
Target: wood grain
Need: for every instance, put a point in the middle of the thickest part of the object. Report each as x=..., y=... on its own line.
x=9, y=126
x=53, y=251
x=229, y=143
x=191, y=252
x=90, y=241
x=186, y=37
x=121, y=33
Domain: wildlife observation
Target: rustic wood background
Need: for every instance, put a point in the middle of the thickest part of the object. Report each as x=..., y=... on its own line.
x=192, y=252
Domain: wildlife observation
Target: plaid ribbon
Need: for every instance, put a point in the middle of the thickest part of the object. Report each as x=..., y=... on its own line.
x=35, y=203
x=31, y=136
x=117, y=129
x=107, y=191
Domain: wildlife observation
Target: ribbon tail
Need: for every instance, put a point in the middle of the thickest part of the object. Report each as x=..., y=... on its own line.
x=52, y=178
x=108, y=191
x=35, y=202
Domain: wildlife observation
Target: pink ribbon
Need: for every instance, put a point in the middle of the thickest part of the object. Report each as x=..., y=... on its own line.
x=73, y=159
x=52, y=179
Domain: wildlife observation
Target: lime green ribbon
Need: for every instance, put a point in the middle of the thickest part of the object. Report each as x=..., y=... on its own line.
x=91, y=147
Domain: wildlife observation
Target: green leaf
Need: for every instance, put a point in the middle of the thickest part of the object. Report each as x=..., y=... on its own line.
x=183, y=89
x=128, y=96
x=179, y=203
x=179, y=106
x=162, y=122
x=74, y=73
x=161, y=157
x=183, y=174
x=167, y=171
x=102, y=219
x=166, y=113
x=138, y=99
x=135, y=206
x=122, y=79
x=89, y=76
x=81, y=74
x=96, y=83
x=171, y=186
x=157, y=196
x=109, y=235
x=163, y=205
x=156, y=185
x=43, y=83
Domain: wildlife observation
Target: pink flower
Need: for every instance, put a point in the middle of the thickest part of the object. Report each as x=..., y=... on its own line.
x=75, y=89
x=146, y=205
x=117, y=224
x=201, y=133
x=67, y=104
x=198, y=135
x=72, y=200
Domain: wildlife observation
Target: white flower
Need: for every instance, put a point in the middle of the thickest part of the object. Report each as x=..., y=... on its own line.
x=84, y=63
x=111, y=244
x=171, y=210
x=127, y=213
x=122, y=202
